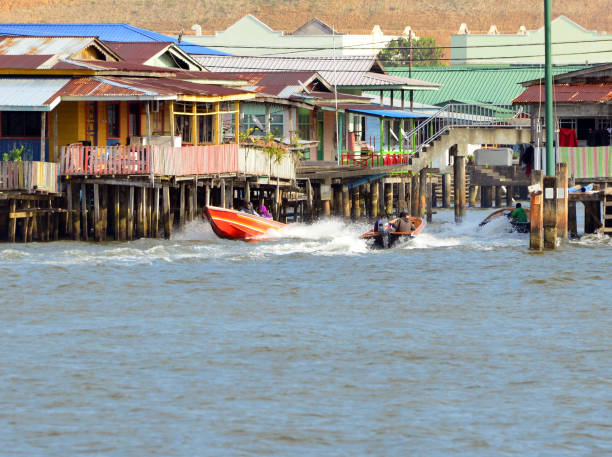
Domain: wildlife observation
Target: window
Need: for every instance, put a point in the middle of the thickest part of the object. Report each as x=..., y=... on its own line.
x=22, y=124
x=206, y=129
x=134, y=120
x=253, y=115
x=304, y=125
x=183, y=126
x=112, y=119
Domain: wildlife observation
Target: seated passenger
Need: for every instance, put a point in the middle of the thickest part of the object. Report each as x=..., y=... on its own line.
x=263, y=211
x=403, y=223
x=247, y=207
x=519, y=214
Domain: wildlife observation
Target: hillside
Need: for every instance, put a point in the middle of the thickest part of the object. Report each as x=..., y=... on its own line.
x=439, y=18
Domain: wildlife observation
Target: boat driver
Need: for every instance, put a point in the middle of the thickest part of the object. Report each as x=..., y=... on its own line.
x=403, y=223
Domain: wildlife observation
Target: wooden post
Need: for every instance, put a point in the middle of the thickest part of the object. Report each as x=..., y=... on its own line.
x=374, y=200
x=12, y=220
x=414, y=195
x=117, y=213
x=434, y=196
x=96, y=214
x=277, y=200
x=550, y=212
x=362, y=200
x=356, y=203
x=84, y=211
x=182, y=205
x=26, y=223
x=326, y=208
x=130, y=214
x=536, y=241
x=123, y=213
x=140, y=213
x=207, y=194
x=155, y=215
x=446, y=190
x=422, y=192
x=429, y=201
x=104, y=212
x=592, y=216
x=48, y=225
x=195, y=199
x=473, y=197
x=191, y=190
x=459, y=170
x=486, y=196
x=247, y=190
x=76, y=218
x=562, y=200
x=222, y=191
x=389, y=198
x=572, y=222
x=401, y=198
x=326, y=196
x=346, y=202
x=498, y=196
x=166, y=211
x=509, y=195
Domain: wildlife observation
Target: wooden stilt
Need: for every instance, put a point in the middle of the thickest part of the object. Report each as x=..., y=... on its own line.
x=434, y=198
x=223, y=195
x=422, y=192
x=69, y=214
x=459, y=169
x=140, y=213
x=155, y=213
x=389, y=199
x=486, y=196
x=509, y=195
x=76, y=215
x=446, y=190
x=85, y=231
x=401, y=195
x=12, y=220
x=592, y=216
x=473, y=197
x=536, y=240
x=96, y=215
x=498, y=196
x=346, y=202
x=550, y=212
x=414, y=195
x=130, y=214
x=123, y=213
x=166, y=211
x=104, y=212
x=207, y=194
x=26, y=223
x=182, y=205
x=375, y=200
x=562, y=200
x=116, y=213
x=196, y=213
x=429, y=201
x=572, y=221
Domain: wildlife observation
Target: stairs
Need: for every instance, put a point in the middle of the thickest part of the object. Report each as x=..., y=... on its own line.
x=607, y=209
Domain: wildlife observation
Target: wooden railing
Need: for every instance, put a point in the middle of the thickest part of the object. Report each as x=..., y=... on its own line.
x=29, y=176
x=375, y=159
x=144, y=160
x=253, y=161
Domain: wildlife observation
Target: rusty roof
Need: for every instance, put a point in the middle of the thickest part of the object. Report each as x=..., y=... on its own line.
x=65, y=46
x=95, y=87
x=137, y=52
x=25, y=62
x=120, y=66
x=178, y=87
x=568, y=93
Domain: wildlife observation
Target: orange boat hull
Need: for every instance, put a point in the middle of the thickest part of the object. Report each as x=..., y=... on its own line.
x=235, y=225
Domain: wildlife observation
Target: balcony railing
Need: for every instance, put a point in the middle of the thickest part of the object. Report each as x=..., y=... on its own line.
x=375, y=159
x=255, y=161
x=29, y=176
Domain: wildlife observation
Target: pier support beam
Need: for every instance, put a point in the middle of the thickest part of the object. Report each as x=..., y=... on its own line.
x=473, y=195
x=182, y=205
x=509, y=195
x=166, y=212
x=562, y=200
x=459, y=171
x=346, y=202
x=498, y=196
x=356, y=203
x=429, y=201
x=572, y=220
x=422, y=192
x=97, y=223
x=116, y=213
x=84, y=212
x=375, y=199
x=130, y=214
x=414, y=195
x=401, y=197
x=536, y=240
x=12, y=221
x=486, y=196
x=140, y=213
x=104, y=211
x=550, y=212
x=446, y=190
x=223, y=202
x=155, y=215
x=389, y=199
x=592, y=216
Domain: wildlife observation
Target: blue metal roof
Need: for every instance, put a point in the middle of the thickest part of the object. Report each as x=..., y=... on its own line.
x=396, y=114
x=125, y=33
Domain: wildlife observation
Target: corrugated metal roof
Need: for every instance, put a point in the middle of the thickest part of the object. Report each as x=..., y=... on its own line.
x=101, y=65
x=97, y=87
x=179, y=87
x=353, y=71
x=44, y=45
x=106, y=32
x=566, y=93
x=497, y=84
x=391, y=113
x=30, y=94
x=137, y=52
x=25, y=62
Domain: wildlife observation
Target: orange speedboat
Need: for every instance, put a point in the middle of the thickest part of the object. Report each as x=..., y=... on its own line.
x=236, y=225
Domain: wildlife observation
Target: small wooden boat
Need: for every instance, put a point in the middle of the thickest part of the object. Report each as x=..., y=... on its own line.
x=387, y=238
x=520, y=227
x=236, y=225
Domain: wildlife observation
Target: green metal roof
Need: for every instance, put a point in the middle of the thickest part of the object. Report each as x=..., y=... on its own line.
x=497, y=84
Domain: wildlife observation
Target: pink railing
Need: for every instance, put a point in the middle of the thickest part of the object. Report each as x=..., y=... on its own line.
x=138, y=160
x=41, y=176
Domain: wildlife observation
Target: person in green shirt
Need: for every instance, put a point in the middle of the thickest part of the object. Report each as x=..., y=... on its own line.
x=519, y=214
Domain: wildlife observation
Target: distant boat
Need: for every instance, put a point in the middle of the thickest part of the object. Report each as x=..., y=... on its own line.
x=519, y=227
x=386, y=238
x=236, y=225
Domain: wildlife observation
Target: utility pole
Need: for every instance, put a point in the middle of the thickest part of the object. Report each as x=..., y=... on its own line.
x=550, y=122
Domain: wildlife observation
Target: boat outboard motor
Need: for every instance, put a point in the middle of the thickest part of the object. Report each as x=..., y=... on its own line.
x=383, y=230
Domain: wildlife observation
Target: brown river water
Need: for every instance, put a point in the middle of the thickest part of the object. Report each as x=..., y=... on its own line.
x=458, y=343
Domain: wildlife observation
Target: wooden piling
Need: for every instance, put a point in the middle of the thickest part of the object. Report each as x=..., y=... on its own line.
x=96, y=212
x=414, y=195
x=182, y=205
x=26, y=223
x=12, y=220
x=130, y=214
x=401, y=197
x=434, y=197
x=446, y=190
x=572, y=220
x=486, y=196
x=429, y=201
x=550, y=212
x=140, y=213
x=76, y=219
x=509, y=195
x=166, y=211
x=459, y=169
x=104, y=212
x=389, y=198
x=536, y=240
x=346, y=202
x=195, y=213
x=374, y=201
x=473, y=195
x=498, y=196
x=422, y=192
x=223, y=203
x=85, y=228
x=562, y=200
x=356, y=203
x=155, y=213
x=207, y=194
x=592, y=216
x=69, y=214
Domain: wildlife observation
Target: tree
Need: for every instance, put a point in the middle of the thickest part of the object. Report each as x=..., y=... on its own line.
x=425, y=52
